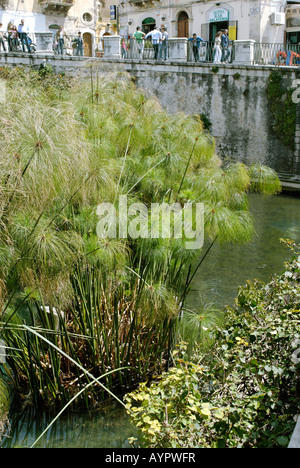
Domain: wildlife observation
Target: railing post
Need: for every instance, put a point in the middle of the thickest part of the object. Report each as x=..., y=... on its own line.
x=112, y=47
x=178, y=49
x=244, y=52
x=44, y=41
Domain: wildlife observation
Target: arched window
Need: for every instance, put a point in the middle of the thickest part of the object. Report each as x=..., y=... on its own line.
x=183, y=24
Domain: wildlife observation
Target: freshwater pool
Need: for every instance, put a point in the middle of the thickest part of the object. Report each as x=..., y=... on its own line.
x=217, y=281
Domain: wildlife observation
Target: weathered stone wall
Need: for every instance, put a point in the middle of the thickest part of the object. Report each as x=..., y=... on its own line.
x=232, y=97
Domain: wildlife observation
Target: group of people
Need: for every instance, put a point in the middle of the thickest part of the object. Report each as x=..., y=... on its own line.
x=61, y=38
x=14, y=36
x=159, y=40
x=221, y=46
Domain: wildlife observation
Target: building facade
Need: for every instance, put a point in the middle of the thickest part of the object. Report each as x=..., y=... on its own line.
x=91, y=17
x=262, y=21
x=293, y=22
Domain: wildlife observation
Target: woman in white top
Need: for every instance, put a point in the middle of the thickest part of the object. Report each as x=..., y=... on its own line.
x=217, y=48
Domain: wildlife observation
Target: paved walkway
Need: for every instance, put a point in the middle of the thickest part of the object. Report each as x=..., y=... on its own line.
x=290, y=182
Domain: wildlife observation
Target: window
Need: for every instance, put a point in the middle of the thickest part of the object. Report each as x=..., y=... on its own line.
x=293, y=22
x=87, y=17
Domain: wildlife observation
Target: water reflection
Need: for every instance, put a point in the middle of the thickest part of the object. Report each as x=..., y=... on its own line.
x=105, y=428
x=226, y=267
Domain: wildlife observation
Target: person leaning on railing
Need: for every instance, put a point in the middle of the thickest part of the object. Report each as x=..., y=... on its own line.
x=156, y=40
x=196, y=40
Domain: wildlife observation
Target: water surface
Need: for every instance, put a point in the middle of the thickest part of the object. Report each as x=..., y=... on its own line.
x=229, y=266
x=108, y=427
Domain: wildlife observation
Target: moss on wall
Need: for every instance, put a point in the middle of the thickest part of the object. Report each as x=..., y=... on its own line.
x=283, y=109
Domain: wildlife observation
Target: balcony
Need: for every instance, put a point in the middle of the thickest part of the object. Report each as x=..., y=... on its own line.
x=143, y=3
x=60, y=7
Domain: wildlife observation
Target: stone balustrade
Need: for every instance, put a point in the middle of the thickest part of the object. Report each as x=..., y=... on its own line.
x=232, y=97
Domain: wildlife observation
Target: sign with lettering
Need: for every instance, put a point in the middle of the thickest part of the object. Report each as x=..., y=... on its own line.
x=232, y=33
x=113, y=12
x=255, y=11
x=220, y=14
x=2, y=352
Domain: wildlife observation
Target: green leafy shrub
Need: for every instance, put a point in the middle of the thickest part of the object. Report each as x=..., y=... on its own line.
x=171, y=413
x=249, y=382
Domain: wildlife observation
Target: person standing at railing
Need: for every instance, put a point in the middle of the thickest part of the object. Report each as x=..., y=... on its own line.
x=156, y=37
x=23, y=36
x=217, y=47
x=79, y=45
x=123, y=48
x=196, y=40
x=164, y=44
x=224, y=45
x=60, y=39
x=2, y=44
x=13, y=39
x=139, y=37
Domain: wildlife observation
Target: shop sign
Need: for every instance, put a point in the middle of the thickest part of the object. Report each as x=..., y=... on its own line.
x=232, y=33
x=220, y=14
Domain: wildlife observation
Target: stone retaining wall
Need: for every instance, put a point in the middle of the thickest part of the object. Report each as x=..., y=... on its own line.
x=232, y=98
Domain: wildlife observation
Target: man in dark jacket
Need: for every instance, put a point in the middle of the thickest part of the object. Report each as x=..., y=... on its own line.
x=79, y=45
x=224, y=46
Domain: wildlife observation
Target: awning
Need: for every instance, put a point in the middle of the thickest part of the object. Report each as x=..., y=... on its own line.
x=148, y=21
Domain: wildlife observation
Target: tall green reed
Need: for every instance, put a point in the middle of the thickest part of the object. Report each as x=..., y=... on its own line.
x=120, y=298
